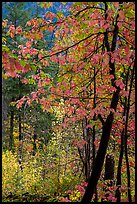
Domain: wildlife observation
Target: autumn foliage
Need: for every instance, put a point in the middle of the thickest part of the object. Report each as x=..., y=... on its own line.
x=94, y=48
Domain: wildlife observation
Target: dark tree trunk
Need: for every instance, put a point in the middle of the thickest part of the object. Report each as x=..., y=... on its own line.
x=101, y=151
x=93, y=161
x=124, y=143
x=128, y=177
x=118, y=184
x=99, y=161
x=126, y=137
x=4, y=108
x=20, y=129
x=109, y=167
x=11, y=129
x=85, y=153
x=94, y=133
x=109, y=175
x=88, y=154
x=34, y=143
x=21, y=142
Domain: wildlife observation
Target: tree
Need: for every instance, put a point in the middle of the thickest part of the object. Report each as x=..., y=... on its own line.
x=95, y=41
x=14, y=13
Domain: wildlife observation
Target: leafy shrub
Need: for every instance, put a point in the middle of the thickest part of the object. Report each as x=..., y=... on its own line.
x=17, y=182
x=19, y=185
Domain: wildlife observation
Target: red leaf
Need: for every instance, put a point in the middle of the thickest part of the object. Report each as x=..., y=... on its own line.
x=121, y=15
x=118, y=141
x=29, y=44
x=132, y=164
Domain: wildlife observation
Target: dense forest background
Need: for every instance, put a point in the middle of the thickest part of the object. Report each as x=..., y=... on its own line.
x=68, y=102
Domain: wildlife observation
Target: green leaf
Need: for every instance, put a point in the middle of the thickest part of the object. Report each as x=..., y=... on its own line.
x=22, y=62
x=60, y=14
x=64, y=3
x=48, y=4
x=78, y=194
x=33, y=67
x=32, y=81
x=130, y=13
x=5, y=48
x=13, y=103
x=42, y=5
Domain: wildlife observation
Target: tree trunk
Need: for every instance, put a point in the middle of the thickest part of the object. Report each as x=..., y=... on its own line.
x=11, y=130
x=126, y=137
x=109, y=175
x=20, y=130
x=94, y=132
x=101, y=151
x=85, y=154
x=118, y=184
x=34, y=143
x=109, y=167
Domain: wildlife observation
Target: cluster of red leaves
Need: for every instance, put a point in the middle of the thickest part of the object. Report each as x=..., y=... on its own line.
x=12, y=66
x=80, y=188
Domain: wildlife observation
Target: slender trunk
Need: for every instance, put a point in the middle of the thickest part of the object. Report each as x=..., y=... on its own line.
x=11, y=129
x=128, y=167
x=4, y=108
x=21, y=142
x=66, y=160
x=88, y=152
x=128, y=177
x=19, y=114
x=34, y=143
x=86, y=157
x=93, y=161
x=93, y=145
x=58, y=170
x=118, y=184
x=126, y=137
x=20, y=130
x=94, y=133
x=94, y=118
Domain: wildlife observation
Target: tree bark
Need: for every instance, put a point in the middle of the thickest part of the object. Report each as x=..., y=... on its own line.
x=109, y=175
x=101, y=151
x=118, y=184
x=126, y=137
x=34, y=143
x=109, y=167
x=85, y=154
x=94, y=133
x=20, y=130
x=11, y=129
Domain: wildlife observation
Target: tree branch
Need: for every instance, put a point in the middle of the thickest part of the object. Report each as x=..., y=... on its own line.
x=88, y=7
x=67, y=48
